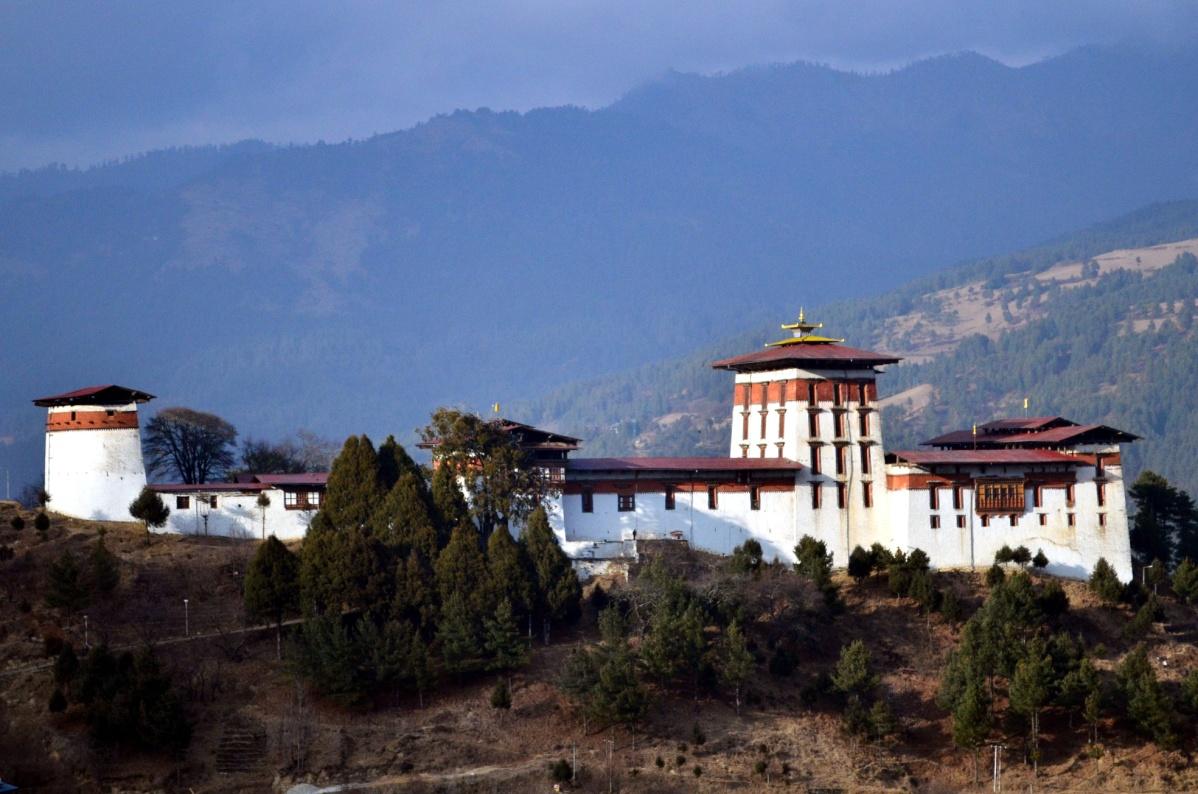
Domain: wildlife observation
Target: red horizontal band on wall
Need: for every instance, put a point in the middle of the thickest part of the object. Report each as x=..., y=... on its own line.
x=91, y=420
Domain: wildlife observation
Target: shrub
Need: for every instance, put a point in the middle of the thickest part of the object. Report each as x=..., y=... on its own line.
x=861, y=563
x=995, y=576
x=17, y=523
x=782, y=663
x=1004, y=555
x=41, y=522
x=951, y=608
x=680, y=760
x=560, y=771
x=698, y=771
x=1185, y=581
x=1021, y=555
x=1052, y=600
x=1104, y=582
x=501, y=695
x=746, y=558
x=1040, y=561
x=759, y=767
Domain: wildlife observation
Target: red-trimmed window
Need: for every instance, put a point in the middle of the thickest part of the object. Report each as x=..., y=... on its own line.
x=1100, y=489
x=934, y=522
x=934, y=496
x=961, y=522
x=958, y=498
x=867, y=494
x=813, y=425
x=626, y=502
x=754, y=497
x=840, y=495
x=865, y=459
x=815, y=496
x=815, y=464
x=713, y=497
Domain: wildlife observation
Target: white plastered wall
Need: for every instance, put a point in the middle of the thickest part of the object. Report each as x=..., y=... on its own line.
x=94, y=473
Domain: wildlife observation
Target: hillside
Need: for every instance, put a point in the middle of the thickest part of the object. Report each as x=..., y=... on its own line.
x=256, y=727
x=487, y=256
x=1097, y=326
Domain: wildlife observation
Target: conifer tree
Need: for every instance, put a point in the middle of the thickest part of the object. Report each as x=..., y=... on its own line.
x=462, y=571
x=404, y=518
x=329, y=657
x=501, y=695
x=1105, y=582
x=618, y=696
x=509, y=572
x=861, y=564
x=342, y=569
x=1146, y=704
x=854, y=676
x=272, y=586
x=149, y=509
x=103, y=572
x=394, y=461
x=558, y=589
x=736, y=662
x=971, y=721
x=502, y=641
x=449, y=504
x=66, y=585
x=813, y=561
x=1185, y=581
x=1029, y=690
x=416, y=592
x=354, y=490
x=457, y=636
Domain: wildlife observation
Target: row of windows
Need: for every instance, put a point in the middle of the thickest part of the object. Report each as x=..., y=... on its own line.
x=1013, y=519
x=839, y=423
x=626, y=502
x=1000, y=496
x=840, y=393
x=292, y=500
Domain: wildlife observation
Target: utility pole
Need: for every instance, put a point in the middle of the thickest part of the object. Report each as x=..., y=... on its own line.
x=86, y=644
x=186, y=619
x=611, y=743
x=996, y=786
x=574, y=767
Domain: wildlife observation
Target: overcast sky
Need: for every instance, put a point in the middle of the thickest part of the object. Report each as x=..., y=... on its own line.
x=84, y=81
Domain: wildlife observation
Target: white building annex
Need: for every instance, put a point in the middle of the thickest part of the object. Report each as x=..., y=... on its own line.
x=806, y=457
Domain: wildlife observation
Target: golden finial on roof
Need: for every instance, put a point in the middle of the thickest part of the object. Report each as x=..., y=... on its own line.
x=801, y=333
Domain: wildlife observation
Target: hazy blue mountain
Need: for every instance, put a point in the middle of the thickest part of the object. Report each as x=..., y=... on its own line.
x=492, y=256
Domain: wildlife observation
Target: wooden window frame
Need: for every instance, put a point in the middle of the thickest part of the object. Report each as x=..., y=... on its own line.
x=588, y=500
x=841, y=425
x=934, y=496
x=1013, y=518
x=985, y=519
x=764, y=417
x=867, y=494
x=816, y=496
x=841, y=461
x=744, y=425
x=812, y=397
x=626, y=502
x=713, y=497
x=1000, y=496
x=958, y=497
x=1043, y=519
x=841, y=493
x=1100, y=493
x=813, y=424
x=182, y=502
x=754, y=497
x=934, y=521
x=1071, y=519
x=1070, y=493
x=781, y=422
x=1102, y=519
x=815, y=459
x=961, y=521
x=866, y=464
x=670, y=497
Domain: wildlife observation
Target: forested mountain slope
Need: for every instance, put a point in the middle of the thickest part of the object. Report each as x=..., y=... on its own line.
x=491, y=256
x=1080, y=327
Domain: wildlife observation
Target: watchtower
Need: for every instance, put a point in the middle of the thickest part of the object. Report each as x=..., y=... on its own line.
x=94, y=466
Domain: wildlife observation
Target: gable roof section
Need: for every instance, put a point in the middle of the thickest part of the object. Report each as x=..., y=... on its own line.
x=985, y=457
x=109, y=394
x=809, y=355
x=683, y=464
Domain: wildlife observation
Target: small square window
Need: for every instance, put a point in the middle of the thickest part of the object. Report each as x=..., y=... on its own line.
x=182, y=502
x=626, y=502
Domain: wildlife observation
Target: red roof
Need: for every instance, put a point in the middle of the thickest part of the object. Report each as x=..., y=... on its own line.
x=109, y=394
x=1073, y=434
x=1025, y=423
x=306, y=478
x=1036, y=431
x=207, y=487
x=809, y=355
x=682, y=464
x=986, y=457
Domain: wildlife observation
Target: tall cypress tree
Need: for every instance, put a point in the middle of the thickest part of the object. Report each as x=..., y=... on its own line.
x=354, y=490
x=558, y=589
x=457, y=635
x=272, y=585
x=404, y=519
x=504, y=645
x=394, y=461
x=510, y=572
x=416, y=592
x=462, y=571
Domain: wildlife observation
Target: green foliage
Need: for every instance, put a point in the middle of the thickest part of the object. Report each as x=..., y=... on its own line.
x=501, y=695
x=1141, y=623
x=66, y=585
x=813, y=561
x=449, y=503
x=415, y=591
x=736, y=662
x=458, y=636
x=854, y=676
x=510, y=572
x=462, y=571
x=618, y=696
x=675, y=643
x=1185, y=581
x=149, y=509
x=1029, y=688
x=1021, y=555
x=17, y=523
x=394, y=462
x=129, y=700
x=1040, y=560
x=1145, y=701
x=1104, y=582
x=971, y=717
x=41, y=522
x=1165, y=524
x=558, y=589
x=502, y=641
x=328, y=656
x=746, y=558
x=103, y=573
x=354, y=488
x=272, y=582
x=951, y=607
x=1004, y=555
x=995, y=576
x=1189, y=692
x=342, y=569
x=404, y=518
x=861, y=563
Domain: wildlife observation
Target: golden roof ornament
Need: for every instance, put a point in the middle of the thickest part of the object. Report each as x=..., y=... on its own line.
x=801, y=333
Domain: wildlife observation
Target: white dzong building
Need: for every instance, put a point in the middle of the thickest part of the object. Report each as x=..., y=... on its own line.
x=94, y=466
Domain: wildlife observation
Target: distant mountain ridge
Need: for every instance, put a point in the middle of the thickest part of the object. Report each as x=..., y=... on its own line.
x=1099, y=326
x=487, y=256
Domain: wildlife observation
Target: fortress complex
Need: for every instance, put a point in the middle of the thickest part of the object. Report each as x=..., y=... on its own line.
x=806, y=457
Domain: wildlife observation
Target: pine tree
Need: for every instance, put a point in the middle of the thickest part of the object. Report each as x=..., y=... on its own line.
x=1029, y=690
x=501, y=695
x=103, y=572
x=404, y=518
x=66, y=586
x=1040, y=560
x=462, y=571
x=1185, y=581
x=509, y=571
x=502, y=640
x=329, y=657
x=813, y=561
x=1104, y=582
x=354, y=490
x=342, y=569
x=457, y=636
x=971, y=721
x=854, y=676
x=1146, y=703
x=272, y=586
x=618, y=696
x=861, y=563
x=736, y=662
x=995, y=576
x=558, y=590
x=149, y=509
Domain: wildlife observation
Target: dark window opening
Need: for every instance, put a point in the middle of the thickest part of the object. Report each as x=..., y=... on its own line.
x=815, y=496
x=713, y=497
x=840, y=495
x=626, y=502
x=985, y=519
x=934, y=496
x=960, y=522
x=182, y=502
x=865, y=461
x=669, y=497
x=815, y=459
x=958, y=498
x=934, y=522
x=867, y=494
x=813, y=425
x=588, y=500
x=754, y=498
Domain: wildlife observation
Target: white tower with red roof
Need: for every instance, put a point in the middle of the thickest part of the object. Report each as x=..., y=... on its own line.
x=94, y=466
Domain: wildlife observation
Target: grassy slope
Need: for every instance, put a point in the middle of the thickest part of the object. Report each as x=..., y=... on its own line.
x=456, y=740
x=1063, y=341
